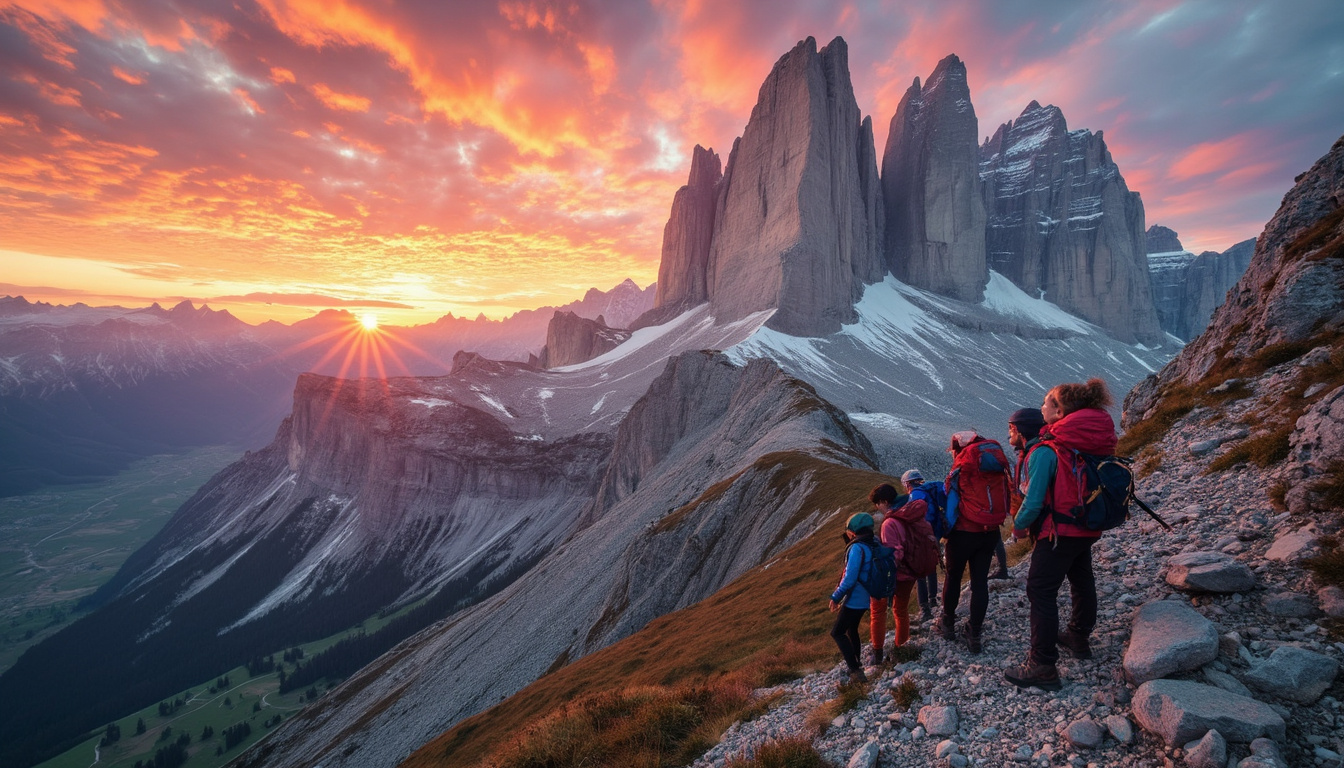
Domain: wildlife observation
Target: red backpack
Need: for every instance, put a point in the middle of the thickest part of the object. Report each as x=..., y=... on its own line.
x=921, y=548
x=979, y=488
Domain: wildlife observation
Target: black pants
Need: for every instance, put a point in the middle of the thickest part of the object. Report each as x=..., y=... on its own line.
x=1001, y=553
x=928, y=590
x=1064, y=557
x=976, y=550
x=846, y=635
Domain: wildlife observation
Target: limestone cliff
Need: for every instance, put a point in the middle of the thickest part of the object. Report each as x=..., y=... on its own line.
x=798, y=223
x=1062, y=221
x=935, y=216
x=686, y=238
x=572, y=339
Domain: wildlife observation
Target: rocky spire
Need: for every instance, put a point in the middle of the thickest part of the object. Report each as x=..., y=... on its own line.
x=935, y=217
x=686, y=238
x=798, y=223
x=1062, y=221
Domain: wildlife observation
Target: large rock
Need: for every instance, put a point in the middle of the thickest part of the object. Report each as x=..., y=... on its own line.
x=1295, y=674
x=1180, y=711
x=1290, y=605
x=938, y=721
x=571, y=339
x=1208, y=572
x=1319, y=436
x=935, y=217
x=1062, y=221
x=1208, y=752
x=688, y=234
x=798, y=225
x=1168, y=636
x=1291, y=547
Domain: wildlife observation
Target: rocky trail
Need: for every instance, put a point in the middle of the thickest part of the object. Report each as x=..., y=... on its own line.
x=1211, y=648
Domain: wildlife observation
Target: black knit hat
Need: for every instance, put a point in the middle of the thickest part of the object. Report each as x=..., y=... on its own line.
x=1027, y=417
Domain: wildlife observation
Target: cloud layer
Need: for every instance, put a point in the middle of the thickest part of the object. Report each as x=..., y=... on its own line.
x=502, y=156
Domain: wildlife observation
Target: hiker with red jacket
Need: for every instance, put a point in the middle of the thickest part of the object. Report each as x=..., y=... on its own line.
x=1075, y=420
x=910, y=536
x=978, y=496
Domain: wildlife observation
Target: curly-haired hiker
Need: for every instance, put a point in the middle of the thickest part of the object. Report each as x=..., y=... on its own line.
x=850, y=599
x=1076, y=419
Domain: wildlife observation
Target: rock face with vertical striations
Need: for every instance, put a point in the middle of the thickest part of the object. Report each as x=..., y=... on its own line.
x=798, y=224
x=1062, y=221
x=1188, y=288
x=687, y=236
x=935, y=216
x=572, y=339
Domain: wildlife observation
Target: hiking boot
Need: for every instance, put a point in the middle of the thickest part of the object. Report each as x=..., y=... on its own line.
x=877, y=657
x=857, y=676
x=972, y=640
x=1029, y=675
x=947, y=628
x=1076, y=644
x=1001, y=575
x=927, y=615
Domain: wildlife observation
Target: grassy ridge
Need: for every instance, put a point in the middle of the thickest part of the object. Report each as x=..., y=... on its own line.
x=772, y=617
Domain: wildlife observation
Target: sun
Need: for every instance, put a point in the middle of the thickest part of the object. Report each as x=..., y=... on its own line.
x=370, y=322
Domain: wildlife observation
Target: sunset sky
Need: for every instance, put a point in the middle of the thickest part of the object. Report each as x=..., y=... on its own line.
x=277, y=157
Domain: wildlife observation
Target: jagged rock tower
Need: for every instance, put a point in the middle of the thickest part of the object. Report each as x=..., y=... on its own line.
x=935, y=217
x=1062, y=221
x=687, y=236
x=798, y=222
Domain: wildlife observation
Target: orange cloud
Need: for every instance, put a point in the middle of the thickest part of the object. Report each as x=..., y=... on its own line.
x=1213, y=156
x=342, y=101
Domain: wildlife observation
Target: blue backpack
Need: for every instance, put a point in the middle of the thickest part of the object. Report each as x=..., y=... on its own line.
x=939, y=512
x=879, y=577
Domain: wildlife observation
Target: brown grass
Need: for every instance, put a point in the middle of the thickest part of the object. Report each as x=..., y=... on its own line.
x=784, y=753
x=905, y=694
x=766, y=625
x=1329, y=489
x=1172, y=405
x=1264, y=449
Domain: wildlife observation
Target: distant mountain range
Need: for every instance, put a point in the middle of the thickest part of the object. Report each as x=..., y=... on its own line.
x=85, y=390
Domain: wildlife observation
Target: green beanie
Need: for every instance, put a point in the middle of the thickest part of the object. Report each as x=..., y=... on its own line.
x=860, y=521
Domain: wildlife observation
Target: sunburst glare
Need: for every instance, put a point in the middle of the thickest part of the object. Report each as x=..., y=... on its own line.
x=370, y=322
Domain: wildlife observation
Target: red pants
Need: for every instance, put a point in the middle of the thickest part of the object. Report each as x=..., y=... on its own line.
x=900, y=607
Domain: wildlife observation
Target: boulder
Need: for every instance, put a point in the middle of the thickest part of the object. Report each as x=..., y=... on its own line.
x=934, y=213
x=1208, y=752
x=1319, y=436
x=1291, y=547
x=1180, y=711
x=938, y=721
x=865, y=756
x=1168, y=636
x=1264, y=754
x=1332, y=601
x=1084, y=733
x=1226, y=682
x=1120, y=728
x=1289, y=605
x=1208, y=572
x=1293, y=673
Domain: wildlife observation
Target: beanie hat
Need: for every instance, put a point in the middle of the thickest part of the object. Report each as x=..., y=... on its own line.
x=1027, y=417
x=912, y=477
x=860, y=521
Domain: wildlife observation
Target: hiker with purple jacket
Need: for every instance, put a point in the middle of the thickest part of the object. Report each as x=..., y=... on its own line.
x=903, y=528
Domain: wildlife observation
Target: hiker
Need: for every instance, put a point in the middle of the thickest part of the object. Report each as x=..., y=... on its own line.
x=1075, y=418
x=850, y=599
x=914, y=549
x=978, y=498
x=913, y=481
x=1024, y=427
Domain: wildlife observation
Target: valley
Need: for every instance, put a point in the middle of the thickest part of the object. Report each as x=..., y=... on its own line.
x=59, y=544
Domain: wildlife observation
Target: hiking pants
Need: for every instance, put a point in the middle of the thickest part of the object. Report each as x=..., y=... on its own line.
x=928, y=590
x=900, y=607
x=976, y=550
x=1002, y=554
x=1053, y=561
x=846, y=635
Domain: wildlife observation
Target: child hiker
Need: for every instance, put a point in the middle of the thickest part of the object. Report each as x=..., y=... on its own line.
x=915, y=550
x=850, y=599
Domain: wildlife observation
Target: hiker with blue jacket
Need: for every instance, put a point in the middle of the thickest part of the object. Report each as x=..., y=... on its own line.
x=1075, y=422
x=850, y=600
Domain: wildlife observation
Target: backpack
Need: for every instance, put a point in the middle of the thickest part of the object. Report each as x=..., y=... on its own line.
x=980, y=486
x=1105, y=488
x=879, y=578
x=935, y=496
x=921, y=548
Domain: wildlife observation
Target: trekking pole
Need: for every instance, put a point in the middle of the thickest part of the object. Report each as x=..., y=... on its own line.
x=1150, y=512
